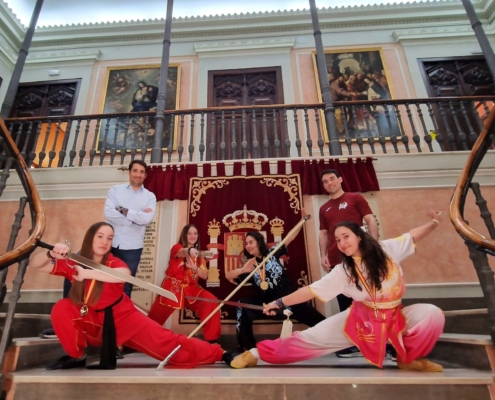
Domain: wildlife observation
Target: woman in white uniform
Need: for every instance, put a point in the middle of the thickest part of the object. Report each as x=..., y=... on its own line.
x=372, y=276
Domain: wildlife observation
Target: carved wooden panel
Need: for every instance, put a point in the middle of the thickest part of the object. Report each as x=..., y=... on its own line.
x=456, y=77
x=51, y=98
x=260, y=86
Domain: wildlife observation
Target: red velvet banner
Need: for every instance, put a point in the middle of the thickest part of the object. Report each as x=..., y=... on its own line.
x=171, y=182
x=225, y=208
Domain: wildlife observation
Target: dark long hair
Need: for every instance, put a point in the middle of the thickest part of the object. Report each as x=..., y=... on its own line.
x=183, y=236
x=262, y=246
x=76, y=294
x=185, y=244
x=372, y=256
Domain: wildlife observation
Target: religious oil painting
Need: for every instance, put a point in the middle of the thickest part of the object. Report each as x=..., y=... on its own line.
x=357, y=75
x=135, y=90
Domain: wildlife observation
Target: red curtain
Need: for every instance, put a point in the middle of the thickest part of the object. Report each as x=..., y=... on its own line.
x=171, y=182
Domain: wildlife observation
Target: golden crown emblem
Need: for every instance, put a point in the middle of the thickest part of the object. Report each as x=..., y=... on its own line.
x=214, y=228
x=277, y=226
x=245, y=219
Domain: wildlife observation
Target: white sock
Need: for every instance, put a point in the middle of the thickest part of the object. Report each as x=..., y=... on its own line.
x=255, y=353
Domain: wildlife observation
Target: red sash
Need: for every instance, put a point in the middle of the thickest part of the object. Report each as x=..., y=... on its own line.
x=369, y=331
x=369, y=328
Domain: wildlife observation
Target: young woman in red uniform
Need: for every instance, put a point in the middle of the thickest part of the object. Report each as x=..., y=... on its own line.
x=181, y=278
x=96, y=304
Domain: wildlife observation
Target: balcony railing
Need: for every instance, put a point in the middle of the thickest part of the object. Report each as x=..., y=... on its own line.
x=250, y=132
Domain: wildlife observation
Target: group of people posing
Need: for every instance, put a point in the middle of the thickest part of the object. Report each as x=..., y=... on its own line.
x=363, y=273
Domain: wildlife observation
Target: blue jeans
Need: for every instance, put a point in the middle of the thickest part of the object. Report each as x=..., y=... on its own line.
x=131, y=258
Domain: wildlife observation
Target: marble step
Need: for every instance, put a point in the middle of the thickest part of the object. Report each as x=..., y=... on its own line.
x=326, y=378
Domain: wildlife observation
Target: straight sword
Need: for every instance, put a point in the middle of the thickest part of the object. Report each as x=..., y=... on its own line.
x=112, y=272
x=228, y=303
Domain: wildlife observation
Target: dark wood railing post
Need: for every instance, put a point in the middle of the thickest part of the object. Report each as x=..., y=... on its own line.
x=21, y=60
x=333, y=137
x=157, y=152
x=486, y=48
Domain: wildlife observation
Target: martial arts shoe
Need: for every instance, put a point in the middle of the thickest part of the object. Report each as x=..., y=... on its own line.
x=66, y=362
x=349, y=353
x=421, y=364
x=48, y=334
x=119, y=352
x=391, y=353
x=244, y=360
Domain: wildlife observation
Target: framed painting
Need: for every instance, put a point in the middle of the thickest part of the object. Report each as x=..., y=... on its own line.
x=355, y=75
x=135, y=89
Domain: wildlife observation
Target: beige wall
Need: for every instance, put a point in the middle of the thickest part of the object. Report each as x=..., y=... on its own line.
x=441, y=258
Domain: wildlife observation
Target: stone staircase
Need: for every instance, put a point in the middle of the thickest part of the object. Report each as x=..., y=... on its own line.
x=467, y=358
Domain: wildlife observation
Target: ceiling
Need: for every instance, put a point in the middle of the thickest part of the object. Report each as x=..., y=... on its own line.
x=67, y=12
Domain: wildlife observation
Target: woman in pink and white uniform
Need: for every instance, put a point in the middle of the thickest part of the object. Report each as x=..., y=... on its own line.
x=371, y=275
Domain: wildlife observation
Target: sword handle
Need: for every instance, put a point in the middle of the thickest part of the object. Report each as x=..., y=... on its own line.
x=45, y=245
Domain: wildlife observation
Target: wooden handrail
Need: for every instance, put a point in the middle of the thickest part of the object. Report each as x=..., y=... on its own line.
x=478, y=151
x=39, y=222
x=254, y=107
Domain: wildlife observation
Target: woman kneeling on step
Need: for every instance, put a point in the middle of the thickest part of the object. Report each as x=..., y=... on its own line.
x=98, y=313
x=371, y=274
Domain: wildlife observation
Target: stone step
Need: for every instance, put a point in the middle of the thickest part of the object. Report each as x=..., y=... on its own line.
x=467, y=350
x=31, y=352
x=326, y=378
x=27, y=325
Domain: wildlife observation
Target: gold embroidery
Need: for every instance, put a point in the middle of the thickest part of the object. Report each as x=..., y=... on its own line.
x=290, y=186
x=365, y=333
x=199, y=188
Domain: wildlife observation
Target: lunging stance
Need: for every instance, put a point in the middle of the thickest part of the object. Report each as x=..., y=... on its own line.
x=372, y=276
x=97, y=313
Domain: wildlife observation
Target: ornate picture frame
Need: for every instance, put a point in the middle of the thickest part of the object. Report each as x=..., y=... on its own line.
x=130, y=89
x=354, y=75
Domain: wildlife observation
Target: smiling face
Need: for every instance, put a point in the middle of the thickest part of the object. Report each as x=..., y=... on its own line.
x=252, y=246
x=102, y=242
x=347, y=241
x=332, y=184
x=137, y=174
x=192, y=236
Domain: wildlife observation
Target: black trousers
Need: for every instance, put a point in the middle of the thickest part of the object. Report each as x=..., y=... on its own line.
x=303, y=313
x=344, y=302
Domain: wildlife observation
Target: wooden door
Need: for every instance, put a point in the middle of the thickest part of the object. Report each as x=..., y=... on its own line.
x=227, y=130
x=457, y=77
x=40, y=99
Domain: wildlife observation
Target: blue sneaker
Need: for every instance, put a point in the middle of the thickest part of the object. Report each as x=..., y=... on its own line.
x=349, y=353
x=391, y=354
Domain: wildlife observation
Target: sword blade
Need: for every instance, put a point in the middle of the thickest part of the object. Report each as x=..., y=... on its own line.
x=228, y=303
x=120, y=275
x=205, y=254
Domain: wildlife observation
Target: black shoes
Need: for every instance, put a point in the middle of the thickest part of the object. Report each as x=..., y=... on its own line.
x=48, y=334
x=119, y=353
x=228, y=356
x=66, y=362
x=351, y=352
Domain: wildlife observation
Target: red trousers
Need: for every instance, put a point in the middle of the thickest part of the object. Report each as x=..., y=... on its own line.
x=141, y=333
x=160, y=312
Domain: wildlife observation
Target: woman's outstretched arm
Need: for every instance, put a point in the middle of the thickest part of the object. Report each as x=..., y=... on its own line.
x=424, y=230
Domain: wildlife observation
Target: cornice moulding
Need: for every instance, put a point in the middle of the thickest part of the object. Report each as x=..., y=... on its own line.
x=393, y=16
x=75, y=55
x=436, y=32
x=249, y=44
